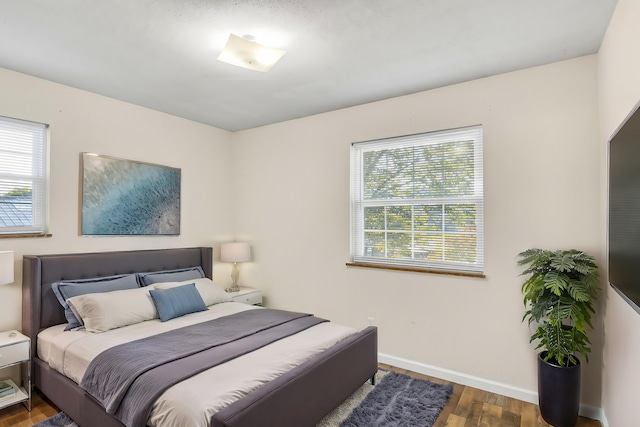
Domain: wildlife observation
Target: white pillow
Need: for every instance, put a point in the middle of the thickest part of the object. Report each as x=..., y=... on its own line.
x=210, y=292
x=109, y=310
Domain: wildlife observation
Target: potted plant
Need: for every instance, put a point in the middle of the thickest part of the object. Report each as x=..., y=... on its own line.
x=559, y=296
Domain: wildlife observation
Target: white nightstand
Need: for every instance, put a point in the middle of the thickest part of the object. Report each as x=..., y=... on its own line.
x=15, y=349
x=247, y=295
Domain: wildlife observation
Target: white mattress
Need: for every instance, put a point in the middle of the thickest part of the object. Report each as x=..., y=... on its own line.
x=193, y=401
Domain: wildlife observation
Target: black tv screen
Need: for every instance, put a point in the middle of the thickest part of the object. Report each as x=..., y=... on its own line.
x=624, y=210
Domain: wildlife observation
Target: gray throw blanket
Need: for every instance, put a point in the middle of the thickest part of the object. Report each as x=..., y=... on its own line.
x=128, y=378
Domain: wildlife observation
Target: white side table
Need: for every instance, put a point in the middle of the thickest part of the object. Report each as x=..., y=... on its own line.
x=247, y=295
x=15, y=349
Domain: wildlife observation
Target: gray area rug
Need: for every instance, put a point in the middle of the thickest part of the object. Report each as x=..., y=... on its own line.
x=397, y=400
x=58, y=420
x=338, y=415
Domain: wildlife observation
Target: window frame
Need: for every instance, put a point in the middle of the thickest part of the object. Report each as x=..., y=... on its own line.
x=38, y=178
x=359, y=203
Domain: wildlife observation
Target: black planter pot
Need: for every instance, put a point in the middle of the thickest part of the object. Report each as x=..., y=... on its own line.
x=558, y=392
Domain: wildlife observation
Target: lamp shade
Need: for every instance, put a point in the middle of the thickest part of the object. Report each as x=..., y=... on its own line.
x=6, y=267
x=235, y=252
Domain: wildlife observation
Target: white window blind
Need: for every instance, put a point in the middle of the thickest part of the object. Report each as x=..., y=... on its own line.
x=23, y=177
x=417, y=201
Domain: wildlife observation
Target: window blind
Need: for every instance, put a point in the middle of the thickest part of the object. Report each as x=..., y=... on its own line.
x=417, y=201
x=23, y=177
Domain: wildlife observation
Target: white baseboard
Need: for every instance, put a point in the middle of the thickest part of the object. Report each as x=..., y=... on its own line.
x=530, y=396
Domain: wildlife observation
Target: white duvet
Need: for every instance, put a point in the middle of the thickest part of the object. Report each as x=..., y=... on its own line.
x=193, y=401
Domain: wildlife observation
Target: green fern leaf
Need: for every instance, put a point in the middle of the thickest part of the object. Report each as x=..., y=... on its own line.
x=559, y=296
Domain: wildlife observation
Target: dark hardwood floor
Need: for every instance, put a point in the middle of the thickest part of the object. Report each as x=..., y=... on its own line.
x=471, y=407
x=467, y=407
x=18, y=416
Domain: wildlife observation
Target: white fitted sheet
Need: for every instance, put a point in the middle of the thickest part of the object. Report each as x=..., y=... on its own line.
x=193, y=401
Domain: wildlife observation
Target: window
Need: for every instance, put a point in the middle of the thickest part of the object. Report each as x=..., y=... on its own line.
x=417, y=201
x=23, y=177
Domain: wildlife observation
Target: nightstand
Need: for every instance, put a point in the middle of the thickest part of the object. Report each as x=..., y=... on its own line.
x=247, y=295
x=15, y=349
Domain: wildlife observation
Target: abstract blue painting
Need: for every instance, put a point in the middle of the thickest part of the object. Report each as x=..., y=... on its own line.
x=124, y=197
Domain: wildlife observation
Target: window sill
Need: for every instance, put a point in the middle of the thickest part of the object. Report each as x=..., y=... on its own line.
x=24, y=236
x=416, y=270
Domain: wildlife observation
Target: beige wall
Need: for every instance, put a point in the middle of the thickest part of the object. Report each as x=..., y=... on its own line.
x=80, y=121
x=619, y=92
x=542, y=181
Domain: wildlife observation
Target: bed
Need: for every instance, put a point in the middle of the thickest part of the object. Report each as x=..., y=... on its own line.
x=299, y=397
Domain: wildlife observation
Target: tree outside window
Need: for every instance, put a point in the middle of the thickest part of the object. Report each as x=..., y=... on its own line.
x=418, y=202
x=23, y=177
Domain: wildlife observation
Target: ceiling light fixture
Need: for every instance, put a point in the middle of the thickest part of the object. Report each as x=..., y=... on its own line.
x=249, y=54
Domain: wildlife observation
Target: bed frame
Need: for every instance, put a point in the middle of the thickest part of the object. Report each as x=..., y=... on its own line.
x=298, y=398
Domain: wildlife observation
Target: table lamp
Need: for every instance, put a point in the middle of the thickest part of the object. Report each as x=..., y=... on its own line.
x=235, y=252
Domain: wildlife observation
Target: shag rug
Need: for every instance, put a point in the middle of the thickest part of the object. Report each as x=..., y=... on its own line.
x=397, y=400
x=58, y=420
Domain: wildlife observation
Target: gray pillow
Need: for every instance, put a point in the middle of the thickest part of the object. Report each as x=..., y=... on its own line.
x=178, y=301
x=72, y=288
x=178, y=275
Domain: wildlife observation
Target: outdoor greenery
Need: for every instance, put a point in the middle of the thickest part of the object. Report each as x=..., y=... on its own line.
x=434, y=170
x=416, y=202
x=24, y=191
x=559, y=297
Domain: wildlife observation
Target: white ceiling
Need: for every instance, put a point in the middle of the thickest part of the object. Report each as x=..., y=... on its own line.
x=161, y=54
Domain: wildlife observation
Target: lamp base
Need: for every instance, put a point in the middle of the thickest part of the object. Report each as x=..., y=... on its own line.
x=235, y=275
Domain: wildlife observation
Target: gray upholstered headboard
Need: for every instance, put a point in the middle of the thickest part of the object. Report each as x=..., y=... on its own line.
x=40, y=308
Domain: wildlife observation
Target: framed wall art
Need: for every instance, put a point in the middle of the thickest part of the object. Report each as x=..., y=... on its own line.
x=123, y=197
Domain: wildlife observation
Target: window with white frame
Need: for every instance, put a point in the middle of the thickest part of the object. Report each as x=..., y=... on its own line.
x=23, y=177
x=417, y=201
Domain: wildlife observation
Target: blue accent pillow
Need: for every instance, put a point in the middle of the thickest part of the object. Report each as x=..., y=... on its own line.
x=178, y=301
x=178, y=275
x=72, y=288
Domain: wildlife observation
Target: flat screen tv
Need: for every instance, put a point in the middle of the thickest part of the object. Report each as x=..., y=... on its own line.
x=624, y=210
